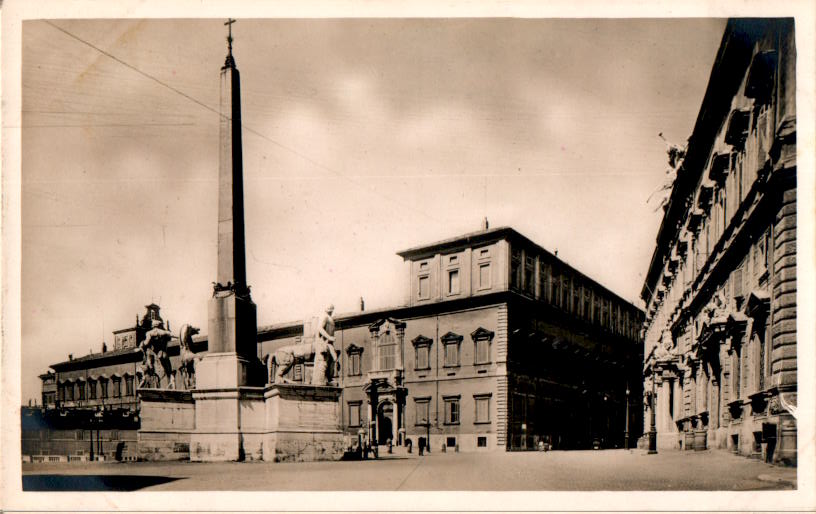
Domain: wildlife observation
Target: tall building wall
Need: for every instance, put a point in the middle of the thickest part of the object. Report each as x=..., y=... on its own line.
x=721, y=288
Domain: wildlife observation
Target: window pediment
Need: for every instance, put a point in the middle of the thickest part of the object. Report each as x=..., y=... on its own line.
x=760, y=79
x=481, y=333
x=737, y=127
x=353, y=348
x=451, y=337
x=720, y=167
x=421, y=340
x=386, y=323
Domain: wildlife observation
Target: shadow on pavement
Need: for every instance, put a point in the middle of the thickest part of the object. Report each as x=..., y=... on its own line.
x=91, y=482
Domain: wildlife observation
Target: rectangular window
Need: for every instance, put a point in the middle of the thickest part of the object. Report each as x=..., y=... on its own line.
x=424, y=287
x=482, y=403
x=515, y=269
x=104, y=385
x=565, y=292
x=451, y=411
x=453, y=281
x=482, y=351
x=544, y=281
x=422, y=409
x=354, y=414
x=450, y=442
x=736, y=283
x=129, y=385
x=354, y=364
x=453, y=259
x=79, y=435
x=529, y=275
x=81, y=391
x=422, y=361
x=576, y=298
x=761, y=255
x=451, y=354
x=484, y=276
x=481, y=442
x=92, y=390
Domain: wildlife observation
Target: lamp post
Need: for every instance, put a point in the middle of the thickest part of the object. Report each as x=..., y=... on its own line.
x=626, y=421
x=652, y=429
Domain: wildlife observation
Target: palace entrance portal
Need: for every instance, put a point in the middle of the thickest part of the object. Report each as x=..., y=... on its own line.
x=385, y=423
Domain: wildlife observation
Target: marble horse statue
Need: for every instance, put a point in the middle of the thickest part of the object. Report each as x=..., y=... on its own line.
x=188, y=359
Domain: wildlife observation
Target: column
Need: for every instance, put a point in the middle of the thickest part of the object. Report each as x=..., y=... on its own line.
x=664, y=420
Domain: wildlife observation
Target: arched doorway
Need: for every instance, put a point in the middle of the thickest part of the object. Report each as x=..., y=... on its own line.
x=385, y=422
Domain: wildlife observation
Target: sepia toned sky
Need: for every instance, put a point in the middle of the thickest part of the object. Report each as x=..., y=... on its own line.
x=362, y=137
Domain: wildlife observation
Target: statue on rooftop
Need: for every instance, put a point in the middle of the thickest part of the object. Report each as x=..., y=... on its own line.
x=675, y=154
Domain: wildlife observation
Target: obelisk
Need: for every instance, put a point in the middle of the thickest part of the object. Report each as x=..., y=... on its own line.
x=232, y=320
x=232, y=326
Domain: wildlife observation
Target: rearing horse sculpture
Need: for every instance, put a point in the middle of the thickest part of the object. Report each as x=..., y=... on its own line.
x=188, y=358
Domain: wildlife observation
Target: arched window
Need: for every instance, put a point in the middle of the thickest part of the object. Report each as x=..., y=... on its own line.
x=387, y=338
x=387, y=350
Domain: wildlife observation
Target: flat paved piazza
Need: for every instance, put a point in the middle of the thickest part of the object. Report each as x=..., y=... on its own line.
x=605, y=470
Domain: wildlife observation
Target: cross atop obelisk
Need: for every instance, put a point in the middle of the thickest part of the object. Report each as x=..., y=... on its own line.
x=230, y=60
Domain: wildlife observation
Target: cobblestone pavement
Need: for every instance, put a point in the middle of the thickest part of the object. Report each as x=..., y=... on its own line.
x=606, y=470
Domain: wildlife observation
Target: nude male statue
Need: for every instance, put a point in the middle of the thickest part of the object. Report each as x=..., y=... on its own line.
x=324, y=348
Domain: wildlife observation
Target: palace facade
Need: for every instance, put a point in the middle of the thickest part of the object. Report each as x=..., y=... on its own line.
x=720, y=329
x=500, y=345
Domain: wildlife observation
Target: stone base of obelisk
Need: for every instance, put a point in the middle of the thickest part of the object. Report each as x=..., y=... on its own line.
x=229, y=416
x=302, y=423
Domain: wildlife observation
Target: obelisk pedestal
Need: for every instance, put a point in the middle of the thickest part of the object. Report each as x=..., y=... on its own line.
x=222, y=381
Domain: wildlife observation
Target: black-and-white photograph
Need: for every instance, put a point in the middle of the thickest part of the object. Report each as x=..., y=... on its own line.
x=409, y=253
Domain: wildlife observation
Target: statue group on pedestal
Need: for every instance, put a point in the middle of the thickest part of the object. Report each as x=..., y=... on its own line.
x=156, y=369
x=317, y=346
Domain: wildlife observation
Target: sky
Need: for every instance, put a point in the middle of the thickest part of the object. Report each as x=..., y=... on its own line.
x=362, y=137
